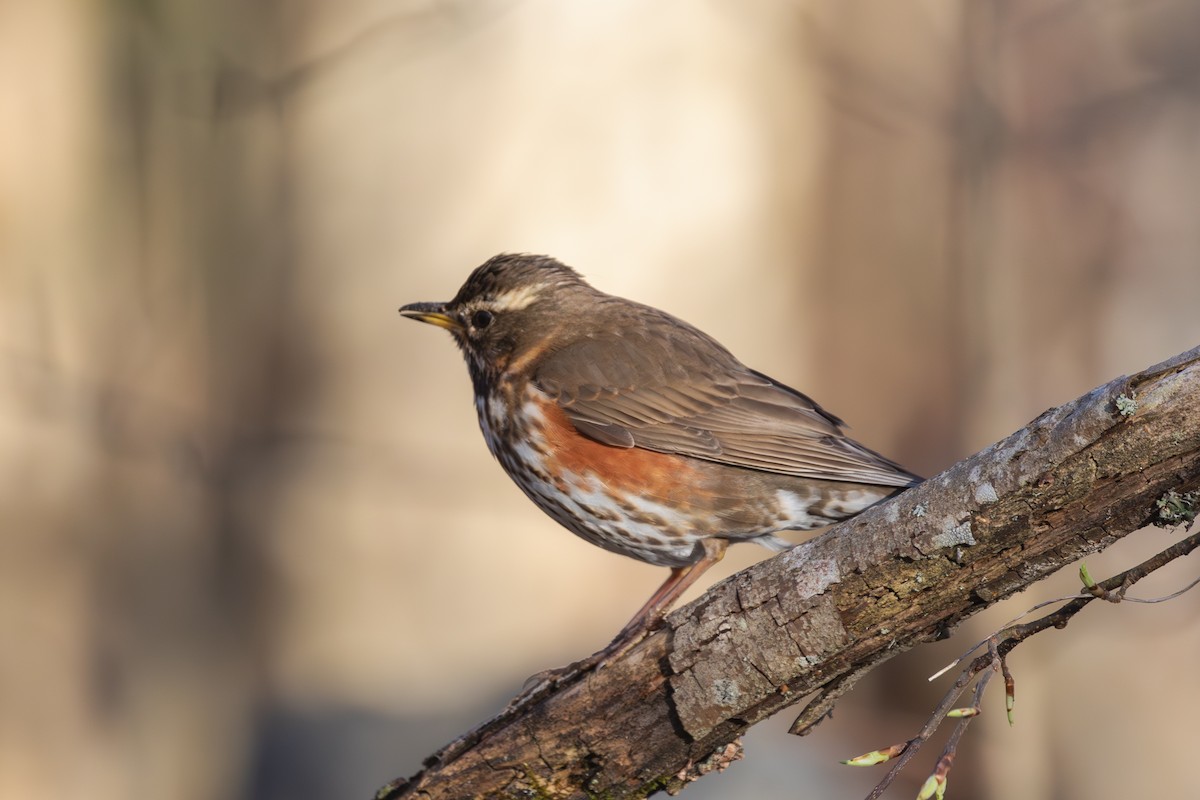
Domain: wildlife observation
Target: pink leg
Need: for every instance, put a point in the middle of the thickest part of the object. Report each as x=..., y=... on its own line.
x=647, y=617
x=650, y=614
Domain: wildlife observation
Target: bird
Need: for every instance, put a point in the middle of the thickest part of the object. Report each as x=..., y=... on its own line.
x=641, y=433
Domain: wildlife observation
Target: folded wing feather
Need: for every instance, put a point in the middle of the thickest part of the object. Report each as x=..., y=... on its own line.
x=675, y=390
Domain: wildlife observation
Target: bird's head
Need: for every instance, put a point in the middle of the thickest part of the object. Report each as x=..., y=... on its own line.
x=508, y=311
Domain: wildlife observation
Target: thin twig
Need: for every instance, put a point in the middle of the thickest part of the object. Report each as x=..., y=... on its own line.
x=1003, y=641
x=996, y=633
x=946, y=759
x=1060, y=618
x=931, y=725
x=1164, y=598
x=1101, y=591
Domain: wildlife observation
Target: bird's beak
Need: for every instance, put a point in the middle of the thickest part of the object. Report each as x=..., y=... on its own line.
x=433, y=313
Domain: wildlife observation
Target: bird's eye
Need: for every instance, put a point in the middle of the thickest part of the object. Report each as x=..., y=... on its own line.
x=481, y=319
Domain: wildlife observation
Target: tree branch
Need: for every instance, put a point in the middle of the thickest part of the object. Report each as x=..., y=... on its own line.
x=816, y=618
x=1007, y=638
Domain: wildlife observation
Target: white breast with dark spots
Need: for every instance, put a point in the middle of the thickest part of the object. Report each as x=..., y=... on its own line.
x=619, y=516
x=621, y=522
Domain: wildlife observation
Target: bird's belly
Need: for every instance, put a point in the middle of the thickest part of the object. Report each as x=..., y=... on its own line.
x=605, y=495
x=620, y=523
x=655, y=507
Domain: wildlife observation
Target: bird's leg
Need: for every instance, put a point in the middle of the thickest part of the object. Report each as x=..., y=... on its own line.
x=645, y=620
x=652, y=613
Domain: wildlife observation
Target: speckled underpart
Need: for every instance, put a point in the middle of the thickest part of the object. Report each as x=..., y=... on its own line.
x=655, y=507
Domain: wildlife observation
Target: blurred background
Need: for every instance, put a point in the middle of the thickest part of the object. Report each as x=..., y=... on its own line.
x=251, y=542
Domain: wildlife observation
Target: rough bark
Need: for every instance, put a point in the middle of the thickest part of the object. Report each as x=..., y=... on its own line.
x=813, y=619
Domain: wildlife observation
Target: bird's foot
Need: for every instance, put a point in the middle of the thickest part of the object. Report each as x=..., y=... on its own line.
x=540, y=684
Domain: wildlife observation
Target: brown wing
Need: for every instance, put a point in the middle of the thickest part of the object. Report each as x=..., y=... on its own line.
x=672, y=389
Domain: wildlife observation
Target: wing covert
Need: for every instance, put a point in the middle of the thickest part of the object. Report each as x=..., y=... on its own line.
x=672, y=389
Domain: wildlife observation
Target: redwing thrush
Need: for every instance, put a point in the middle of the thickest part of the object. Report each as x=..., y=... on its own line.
x=642, y=434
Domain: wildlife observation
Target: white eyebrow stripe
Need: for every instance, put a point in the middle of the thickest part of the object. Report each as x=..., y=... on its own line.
x=514, y=299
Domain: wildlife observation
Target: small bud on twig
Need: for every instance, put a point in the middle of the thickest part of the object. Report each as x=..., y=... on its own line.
x=876, y=756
